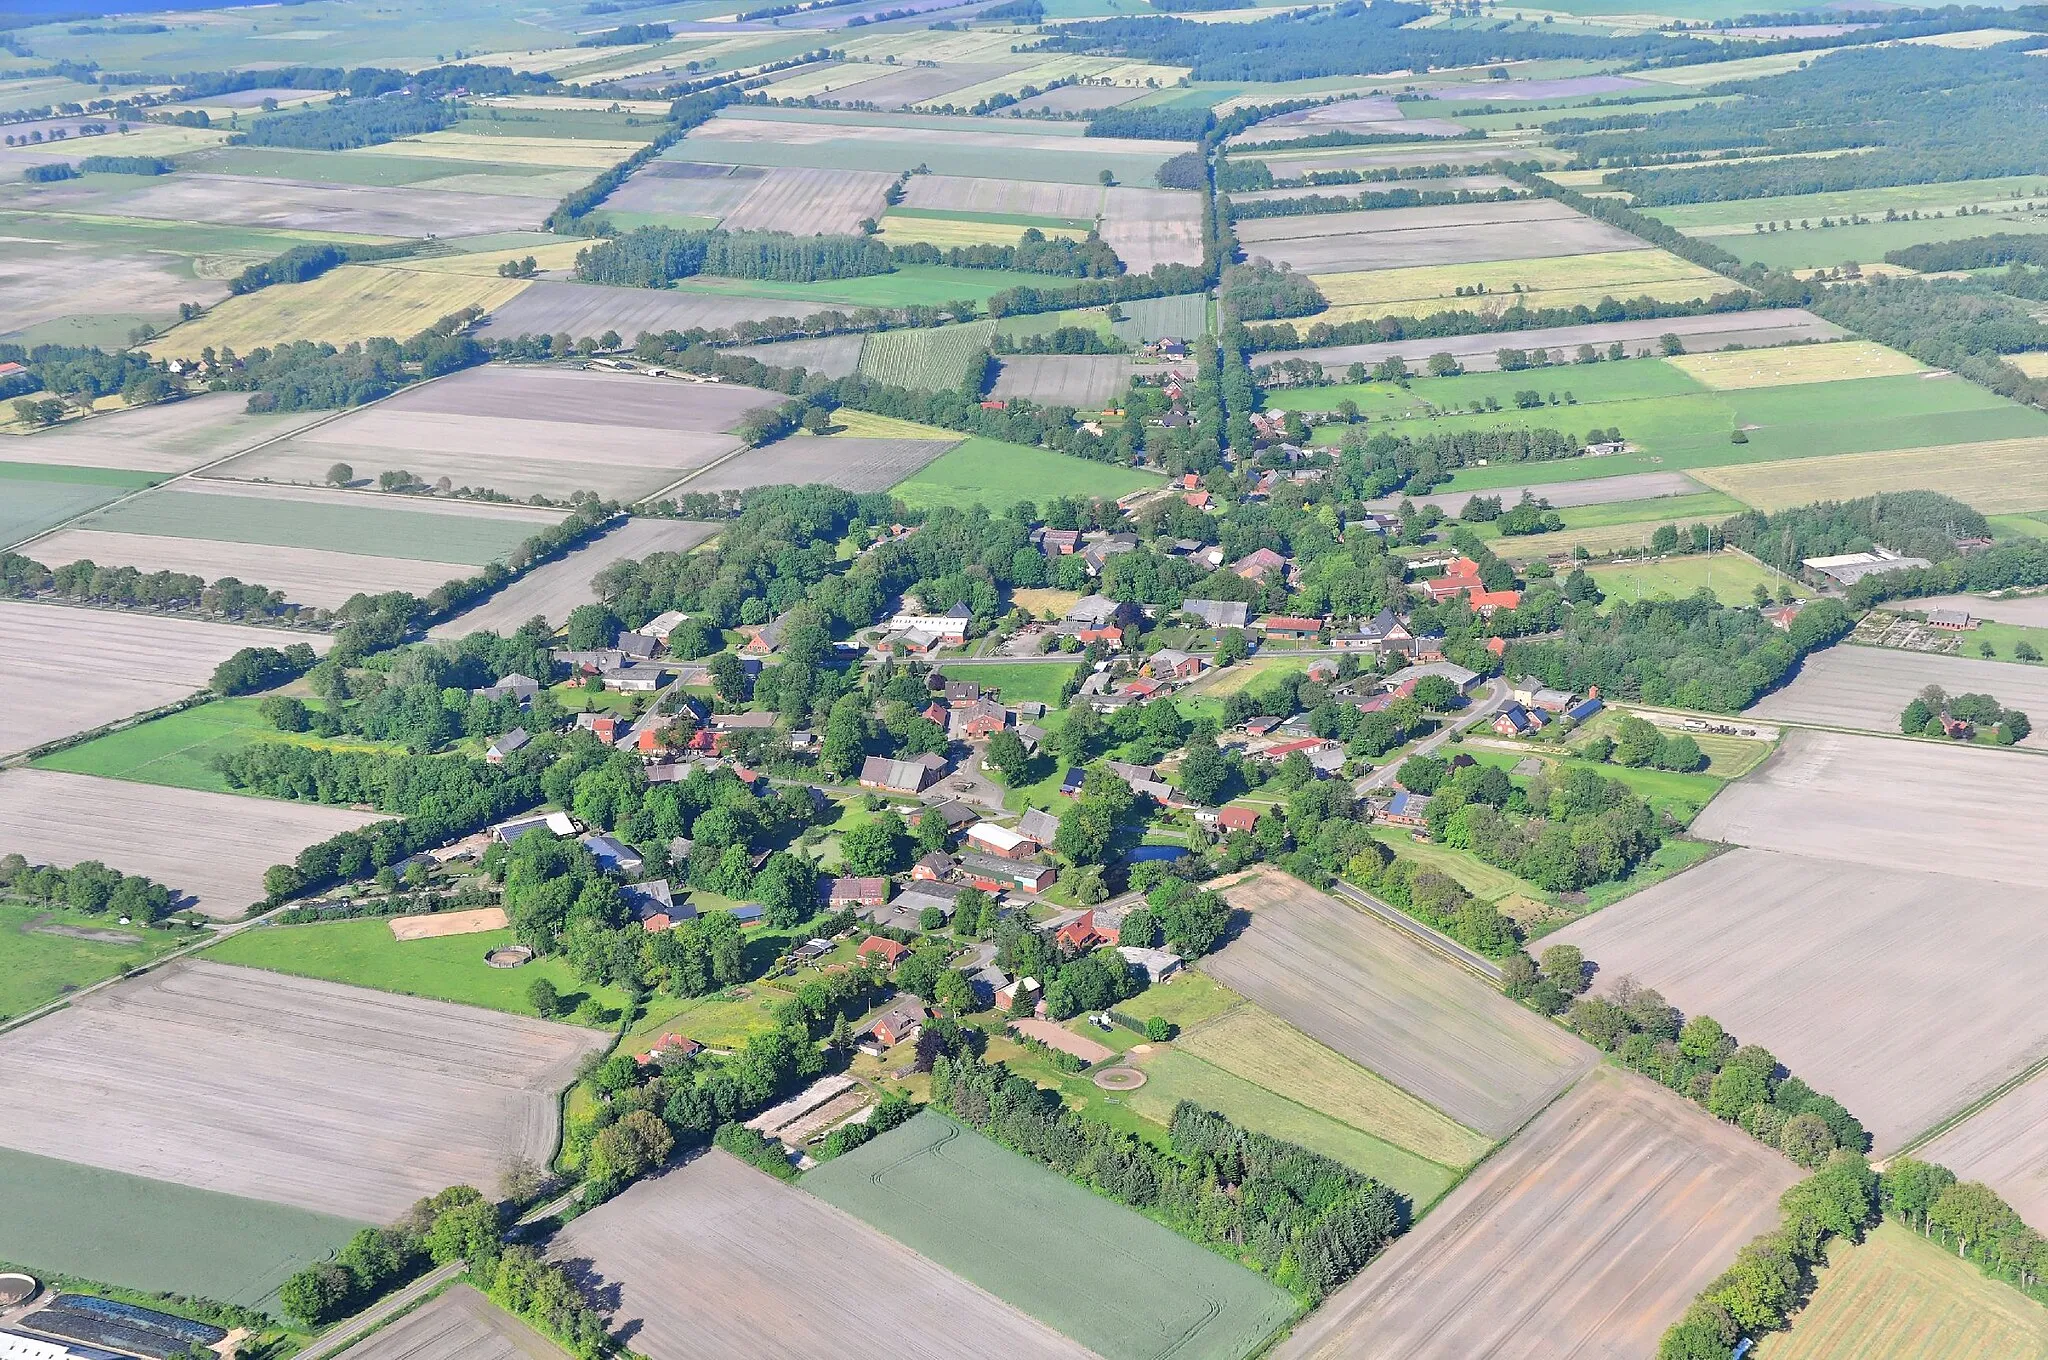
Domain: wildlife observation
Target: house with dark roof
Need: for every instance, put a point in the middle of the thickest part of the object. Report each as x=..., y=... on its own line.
x=932, y=868
x=993, y=874
x=515, y=740
x=1217, y=613
x=613, y=855
x=1039, y=825
x=654, y=905
x=514, y=686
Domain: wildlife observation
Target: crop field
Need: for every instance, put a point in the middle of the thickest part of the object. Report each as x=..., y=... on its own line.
x=557, y=587
x=1174, y=1074
x=1546, y=281
x=680, y=189
x=372, y=210
x=1738, y=369
x=810, y=201
x=176, y=436
x=50, y=951
x=1390, y=1005
x=363, y=953
x=1621, y=536
x=999, y=151
x=1250, y=1043
x=850, y=462
x=552, y=306
x=1077, y=380
x=351, y=303
x=1292, y=165
x=457, y=1324
x=1638, y=488
x=38, y=496
x=68, y=670
x=1406, y=238
x=926, y=359
x=1018, y=197
x=1899, y=1296
x=1732, y=577
x=213, y=847
x=995, y=474
x=1125, y=1287
x=1997, y=476
x=716, y=1258
x=178, y=749
x=310, y=576
x=526, y=430
x=836, y=356
x=1587, y=1235
x=189, y=1074
x=100, y=1224
x=1148, y=227
x=904, y=286
x=1865, y=687
x=905, y=228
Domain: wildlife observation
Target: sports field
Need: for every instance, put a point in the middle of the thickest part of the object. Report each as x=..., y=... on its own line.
x=982, y=471
x=1899, y=1296
x=1106, y=1276
x=46, y=952
x=61, y=1217
x=1732, y=577
x=445, y=968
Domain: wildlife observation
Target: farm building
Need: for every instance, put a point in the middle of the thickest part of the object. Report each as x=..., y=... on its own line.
x=977, y=721
x=1846, y=569
x=1403, y=680
x=1006, y=995
x=1156, y=964
x=1517, y=721
x=1099, y=611
x=1171, y=664
x=883, y=950
x=500, y=747
x=1954, y=620
x=991, y=874
x=558, y=823
x=515, y=686
x=1001, y=840
x=654, y=906
x=1039, y=825
x=856, y=892
x=1289, y=628
x=613, y=855
x=1534, y=693
x=907, y=911
x=901, y=776
x=1259, y=564
x=933, y=867
x=1403, y=809
x=1217, y=613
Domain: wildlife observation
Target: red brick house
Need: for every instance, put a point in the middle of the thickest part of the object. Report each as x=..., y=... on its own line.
x=857, y=892
x=900, y=1023
x=1081, y=934
x=887, y=951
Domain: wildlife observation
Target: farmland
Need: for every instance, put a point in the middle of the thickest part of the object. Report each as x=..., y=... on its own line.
x=49, y=952
x=1865, y=687
x=1993, y=475
x=42, y=495
x=2000, y=1146
x=363, y=953
x=995, y=474
x=138, y=662
x=349, y=304
x=925, y=359
x=1406, y=238
x=460, y=1324
x=1388, y=1004
x=1591, y=1231
x=1732, y=577
x=1734, y=370
x=171, y=437
x=1128, y=1289
x=554, y=588
x=852, y=462
x=1544, y=281
x=388, y=1098
x=1899, y=1296
x=104, y=1224
x=717, y=1258
x=307, y=576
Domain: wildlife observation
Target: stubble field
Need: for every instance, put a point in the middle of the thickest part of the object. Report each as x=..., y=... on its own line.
x=1392, y=1006
x=850, y=462
x=1588, y=1235
x=335, y=1099
x=714, y=1258
x=559, y=586
x=1447, y=236
x=348, y=304
x=459, y=1324
x=1078, y=380
x=308, y=576
x=1866, y=687
x=176, y=436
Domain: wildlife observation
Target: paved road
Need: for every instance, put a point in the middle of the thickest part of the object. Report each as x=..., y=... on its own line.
x=1492, y=696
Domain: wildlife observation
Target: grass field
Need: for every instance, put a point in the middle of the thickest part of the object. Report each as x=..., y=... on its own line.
x=1732, y=370
x=37, y=965
x=1866, y=243
x=1249, y=1043
x=1183, y=1001
x=1020, y=683
x=1549, y=281
x=178, y=750
x=1899, y=1296
x=1482, y=880
x=1084, y=1265
x=60, y=1217
x=1995, y=475
x=1173, y=1075
x=996, y=474
x=362, y=525
x=1732, y=577
x=354, y=302
x=34, y=497
x=908, y=285
x=853, y=424
x=449, y=968
x=926, y=359
x=715, y=1021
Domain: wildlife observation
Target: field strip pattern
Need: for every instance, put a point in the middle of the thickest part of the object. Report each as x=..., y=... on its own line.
x=1866, y=687
x=554, y=588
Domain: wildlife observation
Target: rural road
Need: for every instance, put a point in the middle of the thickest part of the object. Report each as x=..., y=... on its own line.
x=346, y=1332
x=1494, y=695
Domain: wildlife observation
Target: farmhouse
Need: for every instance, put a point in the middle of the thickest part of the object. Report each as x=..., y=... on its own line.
x=1217, y=613
x=898, y=1024
x=1403, y=680
x=857, y=892
x=881, y=950
x=1170, y=664
x=932, y=868
x=1082, y=934
x=1098, y=611
x=1533, y=692
x=637, y=679
x=515, y=686
x=901, y=776
x=661, y=625
x=1238, y=817
x=1039, y=825
x=654, y=906
x=512, y=741
x=1517, y=721
x=977, y=721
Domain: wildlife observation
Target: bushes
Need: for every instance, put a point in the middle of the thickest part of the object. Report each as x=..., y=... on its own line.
x=48, y=174
x=457, y=1224
x=530, y=1286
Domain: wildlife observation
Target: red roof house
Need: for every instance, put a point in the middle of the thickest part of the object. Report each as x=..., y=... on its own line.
x=876, y=947
x=1238, y=817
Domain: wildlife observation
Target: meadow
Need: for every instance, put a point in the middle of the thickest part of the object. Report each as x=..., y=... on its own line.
x=1784, y=365
x=1997, y=475
x=1731, y=576
x=359, y=524
x=982, y=471
x=48, y=952
x=1023, y=682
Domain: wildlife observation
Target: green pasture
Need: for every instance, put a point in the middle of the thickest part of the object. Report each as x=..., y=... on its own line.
x=38, y=496
x=1727, y=757
x=38, y=966
x=1113, y=1280
x=375, y=527
x=61, y=1218
x=593, y=124
x=1826, y=247
x=908, y=285
x=1022, y=682
x=2019, y=526
x=1046, y=224
x=363, y=953
x=2002, y=638
x=1680, y=794
x=1173, y=1076
x=1655, y=510
x=1943, y=196
x=340, y=167
x=1732, y=577
x=1589, y=384
x=178, y=749
x=629, y=221
x=996, y=474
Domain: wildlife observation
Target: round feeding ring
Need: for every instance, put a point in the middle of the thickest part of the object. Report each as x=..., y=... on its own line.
x=1119, y=1078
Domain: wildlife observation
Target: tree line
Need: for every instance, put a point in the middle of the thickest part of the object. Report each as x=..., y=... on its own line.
x=87, y=886
x=132, y=588
x=654, y=257
x=348, y=123
x=1914, y=523
x=1308, y=205
x=310, y=261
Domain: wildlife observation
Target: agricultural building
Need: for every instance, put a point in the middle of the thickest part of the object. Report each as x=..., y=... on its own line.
x=512, y=741
x=1006, y=995
x=977, y=721
x=901, y=776
x=613, y=855
x=515, y=686
x=857, y=892
x=1403, y=681
x=1039, y=825
x=1001, y=840
x=1082, y=934
x=1534, y=693
x=1288, y=628
x=1217, y=613
x=1954, y=620
x=1846, y=569
x=1156, y=964
x=1171, y=664
x=558, y=823
x=950, y=626
x=654, y=906
x=991, y=874
x=1404, y=809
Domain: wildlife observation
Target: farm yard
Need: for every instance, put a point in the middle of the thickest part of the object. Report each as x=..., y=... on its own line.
x=1804, y=955
x=458, y=1324
x=1866, y=687
x=1126, y=1288
x=554, y=588
x=138, y=662
x=386, y=1099
x=1390, y=1005
x=713, y=1257
x=1588, y=1234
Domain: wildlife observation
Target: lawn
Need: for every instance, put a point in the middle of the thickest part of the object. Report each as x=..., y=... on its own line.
x=996, y=474
x=2003, y=638
x=363, y=953
x=38, y=966
x=1183, y=1001
x=1113, y=1280
x=178, y=750
x=1173, y=1075
x=1680, y=794
x=1898, y=1296
x=724, y=1020
x=1727, y=757
x=1477, y=877
x=1023, y=682
x=1245, y=674
x=1732, y=577
x=63, y=1218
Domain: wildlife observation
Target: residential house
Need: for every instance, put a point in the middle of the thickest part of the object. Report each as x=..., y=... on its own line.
x=1238, y=817
x=990, y=873
x=1486, y=602
x=977, y=721
x=742, y=722
x=515, y=740
x=639, y=646
x=1217, y=613
x=1040, y=825
x=1082, y=934
x=1381, y=633
x=515, y=686
x=1173, y=665
x=933, y=868
x=1156, y=964
x=1096, y=555
x=957, y=691
x=1322, y=671
x=1781, y=615
x=765, y=638
x=654, y=906
x=613, y=855
x=900, y=1023
x=1289, y=628
x=1001, y=840
x=953, y=812
x=599, y=662
x=1032, y=735
x=901, y=776
x=881, y=949
x=642, y=678
x=1461, y=577
x=907, y=911
x=1007, y=994
x=1057, y=542
x=1070, y=783
x=1259, y=565
x=856, y=892
x=671, y=1046
x=1517, y=721
x=1129, y=773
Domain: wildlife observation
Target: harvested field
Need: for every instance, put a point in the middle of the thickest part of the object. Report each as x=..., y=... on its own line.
x=66, y=670
x=1865, y=687
x=1831, y=965
x=1028, y=198
x=900, y=89
x=1403, y=238
x=351, y=303
x=550, y=306
x=1899, y=1296
x=525, y=430
x=1120, y=1284
x=1065, y=1040
x=460, y=1324
x=1890, y=804
x=1478, y=352
x=213, y=847
x=1182, y=317
x=2028, y=611
x=1448, y=184
x=1998, y=476
x=1000, y=152
x=1148, y=227
x=1293, y=166
x=686, y=190
x=58, y=1216
x=1633, y=486
x=1588, y=1235
x=811, y=201
x=308, y=576
x=836, y=356
x=176, y=436
x=552, y=590
x=1387, y=1003
x=362, y=210
x=1076, y=380
x=1547, y=280
x=715, y=1258
x=54, y=287
x=335, y=1099
x=2001, y=1144
x=437, y=924
x=1259, y=1047
x=1735, y=370
x=851, y=464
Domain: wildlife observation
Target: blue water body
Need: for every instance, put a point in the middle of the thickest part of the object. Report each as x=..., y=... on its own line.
x=1155, y=852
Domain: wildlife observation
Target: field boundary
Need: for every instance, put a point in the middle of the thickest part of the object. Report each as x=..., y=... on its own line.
x=1440, y=943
